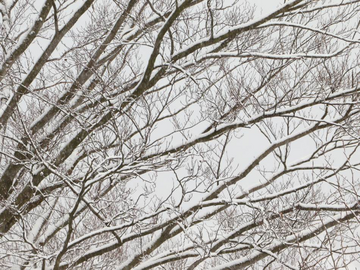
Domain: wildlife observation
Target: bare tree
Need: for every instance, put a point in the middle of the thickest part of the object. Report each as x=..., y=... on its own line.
x=179, y=134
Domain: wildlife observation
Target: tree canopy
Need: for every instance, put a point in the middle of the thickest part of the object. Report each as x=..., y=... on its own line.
x=179, y=134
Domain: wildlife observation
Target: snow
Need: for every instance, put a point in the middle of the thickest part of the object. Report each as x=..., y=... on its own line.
x=253, y=162
x=7, y=3
x=44, y=114
x=35, y=229
x=22, y=37
x=114, y=228
x=329, y=207
x=357, y=233
x=273, y=56
x=154, y=261
x=278, y=23
x=51, y=228
x=302, y=235
x=227, y=31
x=4, y=106
x=254, y=119
x=155, y=237
x=2, y=8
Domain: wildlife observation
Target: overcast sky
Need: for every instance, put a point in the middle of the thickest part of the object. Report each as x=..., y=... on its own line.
x=265, y=6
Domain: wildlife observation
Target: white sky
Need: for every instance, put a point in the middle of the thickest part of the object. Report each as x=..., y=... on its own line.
x=265, y=6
